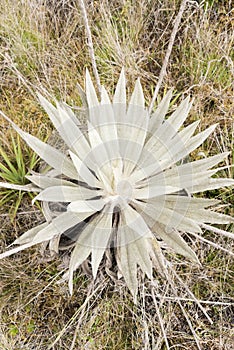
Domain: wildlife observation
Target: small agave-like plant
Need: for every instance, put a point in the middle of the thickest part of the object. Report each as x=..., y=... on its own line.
x=123, y=183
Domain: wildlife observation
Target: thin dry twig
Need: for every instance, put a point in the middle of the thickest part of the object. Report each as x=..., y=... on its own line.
x=78, y=315
x=188, y=300
x=195, y=336
x=212, y=244
x=168, y=53
x=182, y=283
x=90, y=44
x=161, y=321
x=219, y=231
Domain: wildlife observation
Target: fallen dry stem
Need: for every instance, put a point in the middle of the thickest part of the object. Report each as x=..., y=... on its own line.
x=168, y=53
x=90, y=44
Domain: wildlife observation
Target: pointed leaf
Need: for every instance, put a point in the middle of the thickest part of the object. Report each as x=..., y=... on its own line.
x=101, y=237
x=127, y=261
x=207, y=216
x=169, y=218
x=137, y=98
x=105, y=100
x=174, y=240
x=120, y=92
x=154, y=191
x=28, y=236
x=50, y=155
x=82, y=250
x=26, y=188
x=212, y=184
x=43, y=181
x=59, y=225
x=158, y=116
x=135, y=221
x=119, y=100
x=65, y=194
x=84, y=173
x=86, y=206
x=90, y=91
x=193, y=143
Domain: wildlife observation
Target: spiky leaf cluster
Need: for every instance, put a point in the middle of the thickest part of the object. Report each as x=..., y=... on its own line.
x=123, y=182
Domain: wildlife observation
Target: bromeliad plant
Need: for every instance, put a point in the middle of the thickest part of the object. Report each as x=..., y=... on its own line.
x=16, y=164
x=123, y=184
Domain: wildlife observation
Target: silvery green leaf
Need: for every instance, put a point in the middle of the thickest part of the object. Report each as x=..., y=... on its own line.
x=127, y=260
x=54, y=244
x=142, y=257
x=59, y=225
x=69, y=112
x=90, y=92
x=119, y=100
x=185, y=134
x=16, y=250
x=43, y=181
x=193, y=143
x=120, y=91
x=105, y=100
x=101, y=236
x=133, y=130
x=135, y=222
x=169, y=218
x=141, y=174
x=154, y=191
x=66, y=194
x=174, y=240
x=26, y=188
x=212, y=184
x=28, y=236
x=82, y=96
x=188, y=175
x=173, y=202
x=169, y=128
x=56, y=227
x=180, y=178
x=67, y=128
x=50, y=110
x=49, y=154
x=99, y=153
x=157, y=257
x=94, y=137
x=137, y=98
x=107, y=122
x=158, y=116
x=180, y=114
x=165, y=148
x=131, y=148
x=72, y=135
x=180, y=149
x=81, y=251
x=84, y=173
x=84, y=206
x=209, y=216
x=133, y=250
x=206, y=163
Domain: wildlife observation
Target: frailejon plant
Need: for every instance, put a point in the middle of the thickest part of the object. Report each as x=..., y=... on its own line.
x=123, y=183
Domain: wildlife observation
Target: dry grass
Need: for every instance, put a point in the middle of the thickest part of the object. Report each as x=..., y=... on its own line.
x=43, y=46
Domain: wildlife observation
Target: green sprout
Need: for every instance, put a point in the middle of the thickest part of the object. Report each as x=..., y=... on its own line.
x=17, y=161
